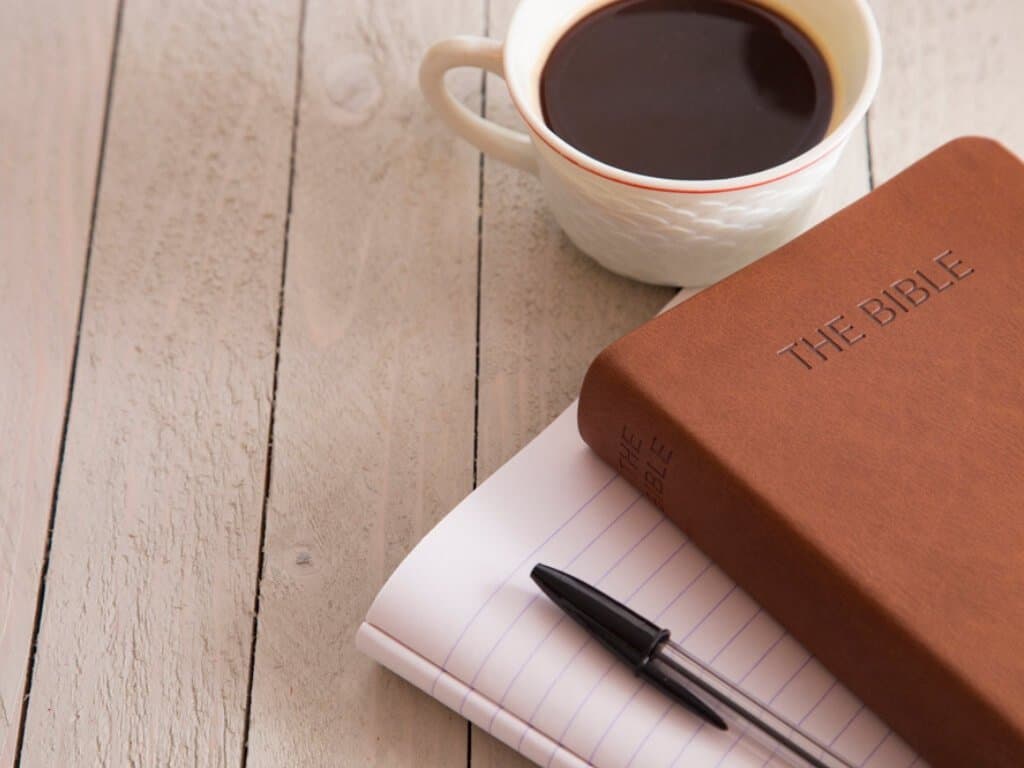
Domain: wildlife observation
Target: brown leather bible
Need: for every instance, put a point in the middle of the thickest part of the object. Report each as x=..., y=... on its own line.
x=841, y=427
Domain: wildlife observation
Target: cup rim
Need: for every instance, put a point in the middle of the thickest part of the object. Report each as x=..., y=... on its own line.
x=828, y=144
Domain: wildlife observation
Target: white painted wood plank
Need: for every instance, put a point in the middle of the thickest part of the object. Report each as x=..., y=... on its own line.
x=54, y=65
x=146, y=630
x=547, y=310
x=373, y=435
x=951, y=67
x=851, y=179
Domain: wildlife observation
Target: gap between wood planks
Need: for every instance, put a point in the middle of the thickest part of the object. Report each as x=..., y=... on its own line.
x=41, y=592
x=269, y=458
x=479, y=293
x=45, y=565
x=867, y=147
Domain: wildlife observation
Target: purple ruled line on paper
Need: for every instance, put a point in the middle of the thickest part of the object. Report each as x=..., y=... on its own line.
x=735, y=635
x=732, y=746
x=847, y=725
x=514, y=571
x=819, y=701
x=607, y=730
x=522, y=667
x=537, y=597
x=562, y=618
x=763, y=656
x=678, y=596
x=647, y=736
x=803, y=719
x=707, y=615
x=790, y=679
x=685, y=589
x=687, y=743
x=579, y=708
x=551, y=687
x=657, y=570
x=881, y=741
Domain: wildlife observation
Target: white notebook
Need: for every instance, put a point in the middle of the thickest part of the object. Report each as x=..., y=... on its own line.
x=461, y=619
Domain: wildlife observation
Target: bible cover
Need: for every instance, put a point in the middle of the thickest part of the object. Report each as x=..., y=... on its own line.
x=841, y=427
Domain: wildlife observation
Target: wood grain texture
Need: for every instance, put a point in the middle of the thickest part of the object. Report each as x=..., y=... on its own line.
x=547, y=308
x=144, y=646
x=952, y=67
x=851, y=180
x=54, y=66
x=373, y=436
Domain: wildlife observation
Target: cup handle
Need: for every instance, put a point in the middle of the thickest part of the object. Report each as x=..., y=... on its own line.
x=507, y=145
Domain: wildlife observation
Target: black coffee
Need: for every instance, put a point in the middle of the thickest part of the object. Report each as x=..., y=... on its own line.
x=687, y=89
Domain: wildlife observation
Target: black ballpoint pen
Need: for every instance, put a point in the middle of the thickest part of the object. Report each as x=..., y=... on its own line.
x=647, y=648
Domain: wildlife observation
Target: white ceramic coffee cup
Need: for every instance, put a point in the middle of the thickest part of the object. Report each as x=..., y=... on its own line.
x=660, y=230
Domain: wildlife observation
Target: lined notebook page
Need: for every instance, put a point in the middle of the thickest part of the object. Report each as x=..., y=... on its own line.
x=478, y=635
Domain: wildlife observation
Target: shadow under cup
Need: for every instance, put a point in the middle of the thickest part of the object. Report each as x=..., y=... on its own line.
x=679, y=232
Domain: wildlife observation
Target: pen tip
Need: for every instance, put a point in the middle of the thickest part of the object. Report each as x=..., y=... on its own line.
x=541, y=572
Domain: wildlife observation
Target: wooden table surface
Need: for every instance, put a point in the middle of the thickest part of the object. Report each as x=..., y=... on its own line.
x=264, y=321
